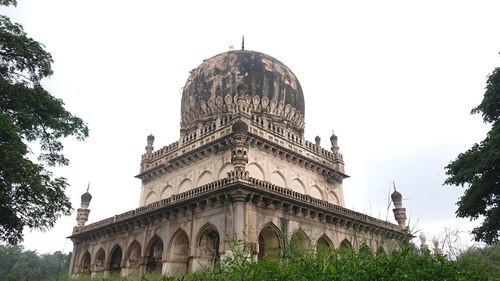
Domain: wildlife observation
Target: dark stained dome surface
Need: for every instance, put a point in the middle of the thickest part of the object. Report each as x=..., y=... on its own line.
x=242, y=74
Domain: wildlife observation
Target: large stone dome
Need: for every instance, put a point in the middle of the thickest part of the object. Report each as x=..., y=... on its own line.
x=256, y=81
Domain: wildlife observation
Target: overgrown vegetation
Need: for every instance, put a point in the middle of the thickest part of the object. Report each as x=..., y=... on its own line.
x=408, y=263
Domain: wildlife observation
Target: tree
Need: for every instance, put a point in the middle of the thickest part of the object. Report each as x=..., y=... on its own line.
x=479, y=169
x=30, y=196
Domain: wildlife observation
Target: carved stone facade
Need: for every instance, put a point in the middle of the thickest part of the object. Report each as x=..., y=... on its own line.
x=241, y=169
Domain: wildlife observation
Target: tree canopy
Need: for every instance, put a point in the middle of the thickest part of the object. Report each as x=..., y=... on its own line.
x=30, y=196
x=478, y=169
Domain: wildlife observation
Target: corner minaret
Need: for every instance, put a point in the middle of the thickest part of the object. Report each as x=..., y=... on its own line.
x=82, y=214
x=149, y=145
x=399, y=211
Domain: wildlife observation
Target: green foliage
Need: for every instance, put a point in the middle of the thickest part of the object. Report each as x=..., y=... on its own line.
x=17, y=264
x=29, y=194
x=479, y=169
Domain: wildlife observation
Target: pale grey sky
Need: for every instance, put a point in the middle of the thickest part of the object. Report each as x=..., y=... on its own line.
x=396, y=80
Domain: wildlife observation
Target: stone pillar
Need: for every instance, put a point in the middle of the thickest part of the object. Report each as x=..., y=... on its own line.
x=239, y=199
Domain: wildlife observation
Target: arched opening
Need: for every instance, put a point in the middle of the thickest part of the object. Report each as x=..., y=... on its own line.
x=345, y=244
x=85, y=263
x=300, y=241
x=365, y=249
x=154, y=255
x=269, y=243
x=115, y=260
x=324, y=245
x=208, y=245
x=178, y=254
x=133, y=262
x=381, y=251
x=99, y=260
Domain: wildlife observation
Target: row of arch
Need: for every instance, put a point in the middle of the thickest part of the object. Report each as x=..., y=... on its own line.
x=254, y=169
x=174, y=257
x=135, y=259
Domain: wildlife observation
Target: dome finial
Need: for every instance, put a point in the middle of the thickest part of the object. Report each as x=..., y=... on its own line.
x=243, y=42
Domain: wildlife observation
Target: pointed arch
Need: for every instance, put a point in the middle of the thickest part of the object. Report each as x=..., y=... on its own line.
x=298, y=186
x=150, y=198
x=185, y=185
x=207, y=244
x=115, y=259
x=133, y=258
x=166, y=192
x=99, y=259
x=278, y=179
x=270, y=242
x=334, y=198
x=226, y=168
x=345, y=244
x=255, y=171
x=204, y=178
x=300, y=240
x=324, y=244
x=381, y=251
x=178, y=253
x=85, y=263
x=154, y=254
x=365, y=249
x=316, y=192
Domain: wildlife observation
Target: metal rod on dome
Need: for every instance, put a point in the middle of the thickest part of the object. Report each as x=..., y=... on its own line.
x=88, y=186
x=243, y=42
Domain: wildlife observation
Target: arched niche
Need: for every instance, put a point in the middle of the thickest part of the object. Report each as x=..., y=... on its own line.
x=255, y=171
x=226, y=168
x=133, y=260
x=115, y=259
x=315, y=192
x=178, y=253
x=208, y=241
x=269, y=242
x=324, y=244
x=334, y=198
x=85, y=263
x=365, y=249
x=167, y=192
x=150, y=198
x=185, y=185
x=300, y=241
x=154, y=253
x=298, y=186
x=345, y=244
x=204, y=178
x=277, y=178
x=99, y=260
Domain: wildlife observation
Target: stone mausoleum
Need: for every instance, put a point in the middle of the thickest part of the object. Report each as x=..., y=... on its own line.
x=241, y=169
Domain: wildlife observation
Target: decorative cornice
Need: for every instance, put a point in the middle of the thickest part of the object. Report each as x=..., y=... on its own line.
x=253, y=191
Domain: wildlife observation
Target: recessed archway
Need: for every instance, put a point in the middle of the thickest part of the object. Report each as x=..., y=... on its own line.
x=115, y=259
x=185, y=185
x=133, y=262
x=324, y=244
x=154, y=255
x=269, y=242
x=85, y=263
x=178, y=253
x=99, y=260
x=300, y=241
x=345, y=244
x=208, y=245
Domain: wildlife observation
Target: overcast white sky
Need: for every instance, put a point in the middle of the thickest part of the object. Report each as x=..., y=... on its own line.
x=396, y=80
